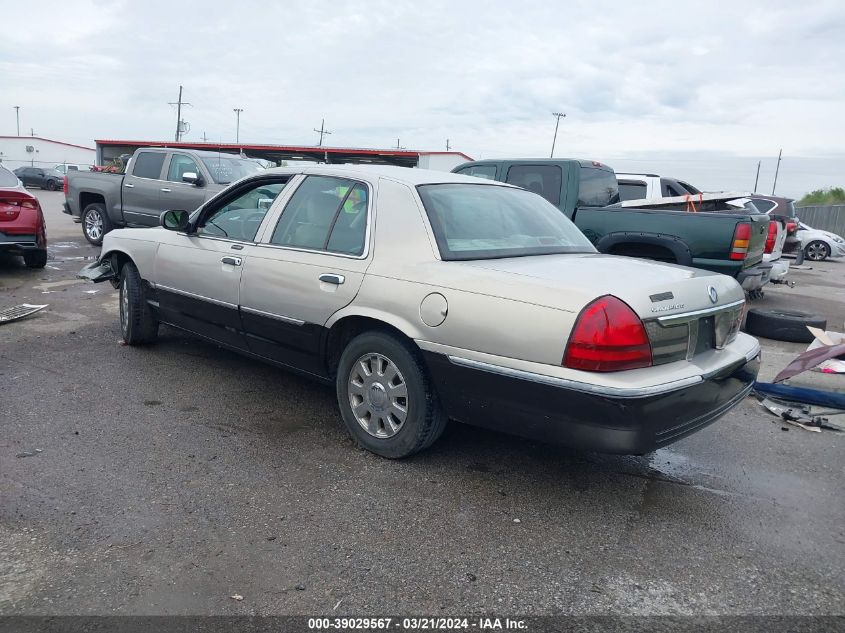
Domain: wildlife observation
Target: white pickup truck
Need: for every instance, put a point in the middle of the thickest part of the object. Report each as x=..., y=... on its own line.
x=650, y=186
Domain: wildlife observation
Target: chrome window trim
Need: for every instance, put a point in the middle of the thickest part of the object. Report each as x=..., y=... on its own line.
x=367, y=235
x=218, y=239
x=271, y=315
x=674, y=319
x=574, y=385
x=192, y=295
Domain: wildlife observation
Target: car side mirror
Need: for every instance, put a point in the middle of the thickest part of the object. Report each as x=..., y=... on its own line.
x=192, y=178
x=175, y=220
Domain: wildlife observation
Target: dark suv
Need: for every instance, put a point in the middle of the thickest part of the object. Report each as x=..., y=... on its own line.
x=46, y=178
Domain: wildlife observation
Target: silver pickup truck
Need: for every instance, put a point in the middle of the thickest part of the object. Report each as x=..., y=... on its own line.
x=156, y=180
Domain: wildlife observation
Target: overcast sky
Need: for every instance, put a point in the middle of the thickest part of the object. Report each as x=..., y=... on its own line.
x=700, y=91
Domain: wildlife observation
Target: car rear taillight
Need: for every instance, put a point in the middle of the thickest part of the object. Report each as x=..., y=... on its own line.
x=742, y=238
x=771, y=237
x=791, y=228
x=64, y=185
x=608, y=336
x=12, y=202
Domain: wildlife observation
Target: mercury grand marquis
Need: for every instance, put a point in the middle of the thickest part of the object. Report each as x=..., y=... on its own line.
x=425, y=296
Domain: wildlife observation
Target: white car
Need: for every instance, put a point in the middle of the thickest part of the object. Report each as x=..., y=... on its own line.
x=818, y=245
x=424, y=296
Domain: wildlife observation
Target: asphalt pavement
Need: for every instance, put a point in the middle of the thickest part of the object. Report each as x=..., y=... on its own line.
x=165, y=480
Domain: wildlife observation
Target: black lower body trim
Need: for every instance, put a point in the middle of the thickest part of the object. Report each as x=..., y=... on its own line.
x=588, y=421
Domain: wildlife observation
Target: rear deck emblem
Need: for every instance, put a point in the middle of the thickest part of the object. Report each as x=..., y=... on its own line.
x=714, y=296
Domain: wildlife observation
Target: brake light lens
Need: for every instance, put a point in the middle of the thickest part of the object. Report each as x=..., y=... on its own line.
x=12, y=202
x=742, y=238
x=791, y=228
x=771, y=237
x=64, y=185
x=608, y=336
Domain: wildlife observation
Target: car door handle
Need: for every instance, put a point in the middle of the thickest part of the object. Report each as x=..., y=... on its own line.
x=129, y=185
x=165, y=190
x=232, y=261
x=332, y=279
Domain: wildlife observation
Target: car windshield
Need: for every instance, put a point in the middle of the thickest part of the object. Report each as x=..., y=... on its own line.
x=228, y=169
x=489, y=221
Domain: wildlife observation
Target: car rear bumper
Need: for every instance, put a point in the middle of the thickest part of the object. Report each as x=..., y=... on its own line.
x=18, y=244
x=513, y=402
x=755, y=277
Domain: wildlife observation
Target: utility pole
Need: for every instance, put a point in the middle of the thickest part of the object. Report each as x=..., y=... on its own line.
x=777, y=169
x=558, y=116
x=18, y=118
x=447, y=145
x=397, y=145
x=178, y=103
x=323, y=131
x=757, y=179
x=32, y=131
x=237, y=112
x=204, y=138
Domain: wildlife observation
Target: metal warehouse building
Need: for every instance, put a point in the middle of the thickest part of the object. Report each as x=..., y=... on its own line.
x=108, y=150
x=34, y=151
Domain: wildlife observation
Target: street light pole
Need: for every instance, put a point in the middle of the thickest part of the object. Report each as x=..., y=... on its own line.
x=237, y=112
x=558, y=116
x=18, y=118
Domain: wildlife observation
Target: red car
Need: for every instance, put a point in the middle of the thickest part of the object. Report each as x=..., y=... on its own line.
x=22, y=228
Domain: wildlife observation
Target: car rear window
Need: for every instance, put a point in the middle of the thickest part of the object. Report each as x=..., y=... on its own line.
x=490, y=221
x=598, y=188
x=7, y=178
x=148, y=165
x=541, y=179
x=629, y=190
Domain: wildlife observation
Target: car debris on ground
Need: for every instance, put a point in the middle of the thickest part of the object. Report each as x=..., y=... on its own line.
x=19, y=312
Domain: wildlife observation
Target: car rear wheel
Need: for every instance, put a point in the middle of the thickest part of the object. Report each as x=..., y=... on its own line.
x=52, y=185
x=817, y=251
x=35, y=259
x=783, y=325
x=138, y=325
x=95, y=223
x=386, y=398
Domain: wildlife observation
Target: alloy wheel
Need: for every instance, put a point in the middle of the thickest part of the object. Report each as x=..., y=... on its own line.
x=378, y=395
x=817, y=251
x=94, y=225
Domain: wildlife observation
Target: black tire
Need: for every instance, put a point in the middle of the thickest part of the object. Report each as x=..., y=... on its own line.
x=138, y=325
x=35, y=259
x=52, y=185
x=93, y=230
x=817, y=251
x=425, y=419
x=782, y=325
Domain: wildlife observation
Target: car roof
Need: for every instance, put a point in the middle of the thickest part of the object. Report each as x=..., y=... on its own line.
x=407, y=175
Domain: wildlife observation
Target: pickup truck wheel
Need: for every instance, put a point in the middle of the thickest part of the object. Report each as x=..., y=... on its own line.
x=138, y=325
x=817, y=250
x=35, y=259
x=782, y=325
x=385, y=396
x=95, y=223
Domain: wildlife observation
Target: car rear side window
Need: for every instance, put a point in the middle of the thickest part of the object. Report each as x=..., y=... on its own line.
x=630, y=190
x=148, y=165
x=327, y=214
x=763, y=206
x=542, y=179
x=598, y=188
x=479, y=171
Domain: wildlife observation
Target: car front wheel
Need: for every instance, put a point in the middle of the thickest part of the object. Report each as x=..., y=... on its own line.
x=386, y=398
x=138, y=325
x=52, y=185
x=95, y=223
x=817, y=251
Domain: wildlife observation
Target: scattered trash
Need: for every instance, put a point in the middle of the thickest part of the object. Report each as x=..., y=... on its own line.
x=337, y=605
x=91, y=292
x=237, y=597
x=272, y=538
x=830, y=339
x=18, y=312
x=517, y=521
x=800, y=417
x=471, y=577
x=300, y=587
x=37, y=451
x=803, y=395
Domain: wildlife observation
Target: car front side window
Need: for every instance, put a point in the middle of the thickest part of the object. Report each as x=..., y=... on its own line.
x=179, y=166
x=239, y=217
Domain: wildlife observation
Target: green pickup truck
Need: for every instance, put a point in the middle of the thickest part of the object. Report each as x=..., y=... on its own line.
x=728, y=242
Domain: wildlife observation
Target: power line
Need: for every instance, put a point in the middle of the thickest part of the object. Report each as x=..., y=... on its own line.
x=322, y=131
x=178, y=103
x=559, y=116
